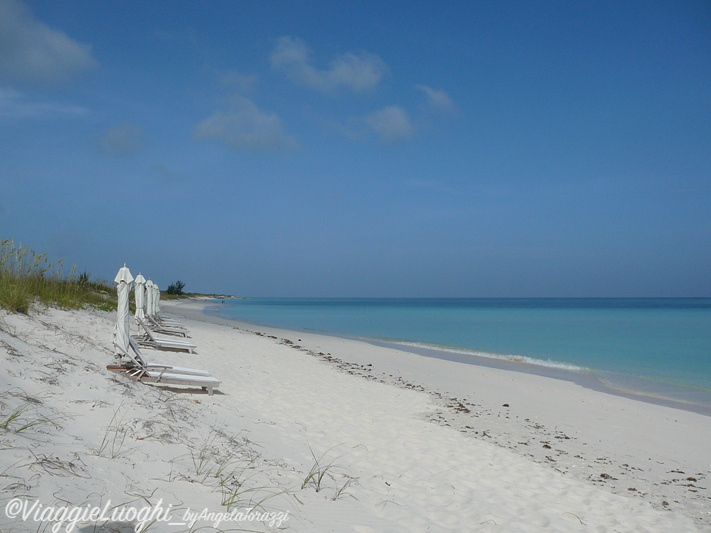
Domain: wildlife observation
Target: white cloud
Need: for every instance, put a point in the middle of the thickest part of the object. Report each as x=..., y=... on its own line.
x=437, y=99
x=31, y=51
x=391, y=123
x=243, y=126
x=14, y=104
x=355, y=71
x=123, y=139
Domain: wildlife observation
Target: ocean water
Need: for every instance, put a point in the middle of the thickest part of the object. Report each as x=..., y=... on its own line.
x=655, y=346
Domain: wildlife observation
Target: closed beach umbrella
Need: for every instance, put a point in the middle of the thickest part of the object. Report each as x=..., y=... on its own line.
x=123, y=287
x=155, y=299
x=156, y=302
x=140, y=296
x=149, y=298
x=154, y=305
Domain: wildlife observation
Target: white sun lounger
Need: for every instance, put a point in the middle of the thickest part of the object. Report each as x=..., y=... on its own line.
x=141, y=370
x=207, y=383
x=161, y=321
x=148, y=339
x=167, y=321
x=160, y=328
x=139, y=361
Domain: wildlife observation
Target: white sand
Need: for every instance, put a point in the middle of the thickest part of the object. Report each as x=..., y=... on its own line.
x=404, y=453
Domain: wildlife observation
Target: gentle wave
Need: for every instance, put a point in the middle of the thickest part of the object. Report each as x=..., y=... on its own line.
x=491, y=355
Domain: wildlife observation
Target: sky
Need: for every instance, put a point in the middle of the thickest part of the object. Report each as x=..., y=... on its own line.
x=363, y=149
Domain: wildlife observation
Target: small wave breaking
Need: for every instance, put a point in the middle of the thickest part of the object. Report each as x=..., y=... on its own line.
x=513, y=358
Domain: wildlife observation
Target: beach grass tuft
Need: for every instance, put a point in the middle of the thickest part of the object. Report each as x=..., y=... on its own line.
x=342, y=490
x=114, y=436
x=316, y=475
x=27, y=276
x=24, y=416
x=8, y=419
x=317, y=471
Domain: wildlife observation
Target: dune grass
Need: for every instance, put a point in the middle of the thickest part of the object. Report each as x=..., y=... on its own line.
x=27, y=277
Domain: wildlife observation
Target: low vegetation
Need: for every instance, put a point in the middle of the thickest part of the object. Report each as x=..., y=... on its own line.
x=27, y=277
x=176, y=288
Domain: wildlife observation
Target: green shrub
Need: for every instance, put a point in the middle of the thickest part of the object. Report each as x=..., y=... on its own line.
x=176, y=288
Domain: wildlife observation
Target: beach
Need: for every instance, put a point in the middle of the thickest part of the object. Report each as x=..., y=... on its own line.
x=317, y=433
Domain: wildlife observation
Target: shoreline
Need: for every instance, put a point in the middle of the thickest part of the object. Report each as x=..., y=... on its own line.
x=397, y=441
x=589, y=378
x=604, y=438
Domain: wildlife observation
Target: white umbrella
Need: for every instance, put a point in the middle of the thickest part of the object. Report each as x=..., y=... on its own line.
x=140, y=296
x=123, y=287
x=156, y=301
x=149, y=298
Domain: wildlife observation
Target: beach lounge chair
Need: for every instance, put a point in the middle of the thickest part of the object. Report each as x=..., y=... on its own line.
x=167, y=321
x=148, y=339
x=160, y=328
x=163, y=377
x=138, y=368
x=138, y=360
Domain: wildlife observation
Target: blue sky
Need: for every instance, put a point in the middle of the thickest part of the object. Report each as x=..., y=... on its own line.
x=506, y=149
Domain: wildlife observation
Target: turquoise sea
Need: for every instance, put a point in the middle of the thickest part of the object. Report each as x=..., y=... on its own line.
x=660, y=347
